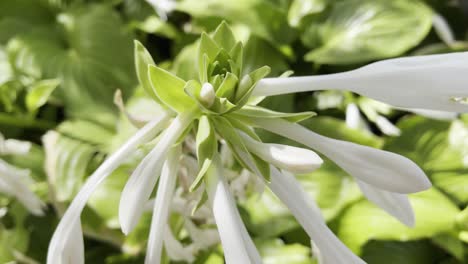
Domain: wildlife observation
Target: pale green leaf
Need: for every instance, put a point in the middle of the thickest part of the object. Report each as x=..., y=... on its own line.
x=39, y=94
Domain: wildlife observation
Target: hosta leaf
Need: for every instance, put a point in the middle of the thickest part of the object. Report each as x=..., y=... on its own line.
x=302, y=8
x=224, y=37
x=276, y=252
x=80, y=51
x=265, y=18
x=358, y=31
x=66, y=162
x=363, y=221
x=170, y=89
x=39, y=94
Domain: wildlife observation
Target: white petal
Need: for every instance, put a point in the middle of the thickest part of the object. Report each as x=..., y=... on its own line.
x=14, y=182
x=353, y=117
x=396, y=204
x=439, y=115
x=64, y=230
x=437, y=82
x=142, y=181
x=304, y=209
x=16, y=147
x=386, y=126
x=238, y=246
x=294, y=159
x=175, y=250
x=161, y=206
x=442, y=28
x=383, y=169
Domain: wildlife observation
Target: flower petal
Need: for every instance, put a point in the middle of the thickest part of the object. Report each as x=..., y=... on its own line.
x=238, y=246
x=288, y=190
x=142, y=181
x=383, y=169
x=437, y=82
x=294, y=159
x=175, y=250
x=396, y=204
x=64, y=230
x=161, y=207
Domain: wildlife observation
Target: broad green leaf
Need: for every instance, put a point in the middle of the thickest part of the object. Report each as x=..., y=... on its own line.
x=301, y=8
x=276, y=252
x=156, y=25
x=207, y=146
x=207, y=47
x=260, y=112
x=267, y=19
x=363, y=30
x=391, y=252
x=15, y=236
x=363, y=221
x=39, y=94
x=88, y=50
x=67, y=162
x=142, y=61
x=440, y=148
x=259, y=52
x=170, y=89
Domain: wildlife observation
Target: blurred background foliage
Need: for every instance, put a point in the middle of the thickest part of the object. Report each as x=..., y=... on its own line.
x=62, y=60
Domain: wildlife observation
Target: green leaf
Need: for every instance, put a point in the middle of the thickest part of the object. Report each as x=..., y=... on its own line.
x=170, y=89
x=364, y=221
x=301, y=8
x=440, y=148
x=39, y=94
x=259, y=52
x=210, y=48
x=89, y=50
x=228, y=86
x=224, y=37
x=276, y=252
x=260, y=112
x=207, y=146
x=363, y=30
x=67, y=164
x=142, y=61
x=390, y=252
x=265, y=18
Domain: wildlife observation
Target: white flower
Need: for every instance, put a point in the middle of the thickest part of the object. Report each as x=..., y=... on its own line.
x=293, y=159
x=161, y=206
x=304, y=209
x=437, y=82
x=382, y=169
x=65, y=230
x=237, y=244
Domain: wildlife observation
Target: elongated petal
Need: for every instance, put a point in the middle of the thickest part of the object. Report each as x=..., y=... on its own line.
x=294, y=159
x=442, y=28
x=396, y=204
x=383, y=169
x=161, y=207
x=304, y=209
x=437, y=82
x=71, y=217
x=238, y=246
x=386, y=126
x=142, y=181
